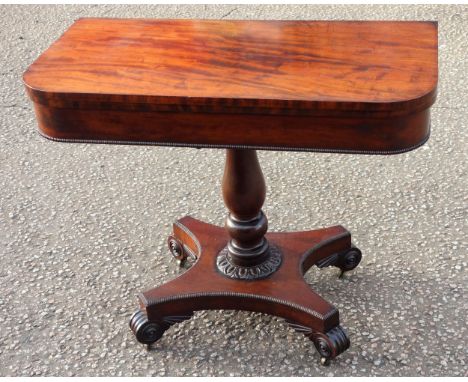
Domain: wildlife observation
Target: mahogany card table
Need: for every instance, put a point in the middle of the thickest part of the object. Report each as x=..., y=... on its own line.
x=358, y=87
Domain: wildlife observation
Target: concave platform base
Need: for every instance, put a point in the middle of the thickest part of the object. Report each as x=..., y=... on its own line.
x=284, y=293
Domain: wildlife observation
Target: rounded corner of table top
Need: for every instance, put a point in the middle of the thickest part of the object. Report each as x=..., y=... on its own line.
x=413, y=103
x=37, y=90
x=33, y=92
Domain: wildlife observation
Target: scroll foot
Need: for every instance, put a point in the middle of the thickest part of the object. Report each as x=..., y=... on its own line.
x=147, y=332
x=329, y=344
x=183, y=255
x=346, y=260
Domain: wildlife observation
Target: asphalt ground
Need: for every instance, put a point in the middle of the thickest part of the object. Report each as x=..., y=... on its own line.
x=83, y=229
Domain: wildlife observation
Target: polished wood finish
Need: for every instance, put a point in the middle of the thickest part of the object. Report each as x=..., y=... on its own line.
x=203, y=286
x=259, y=271
x=332, y=86
x=244, y=192
x=365, y=135
x=284, y=293
x=243, y=185
x=343, y=86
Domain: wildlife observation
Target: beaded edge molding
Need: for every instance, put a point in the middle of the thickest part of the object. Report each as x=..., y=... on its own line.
x=253, y=147
x=192, y=236
x=151, y=302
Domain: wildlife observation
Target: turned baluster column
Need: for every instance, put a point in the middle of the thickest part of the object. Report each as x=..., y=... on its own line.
x=248, y=254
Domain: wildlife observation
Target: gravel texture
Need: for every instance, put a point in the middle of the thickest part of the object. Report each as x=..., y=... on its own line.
x=83, y=230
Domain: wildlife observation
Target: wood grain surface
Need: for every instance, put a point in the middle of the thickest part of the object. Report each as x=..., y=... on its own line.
x=206, y=288
x=123, y=80
x=285, y=64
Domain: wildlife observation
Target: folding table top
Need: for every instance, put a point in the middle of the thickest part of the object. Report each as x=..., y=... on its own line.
x=199, y=81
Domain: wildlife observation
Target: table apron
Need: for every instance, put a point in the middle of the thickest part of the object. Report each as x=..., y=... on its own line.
x=365, y=134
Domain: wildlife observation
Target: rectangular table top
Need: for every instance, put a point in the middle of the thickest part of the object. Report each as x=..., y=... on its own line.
x=372, y=69
x=262, y=63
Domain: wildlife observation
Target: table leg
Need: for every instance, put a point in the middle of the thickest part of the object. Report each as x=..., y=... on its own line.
x=242, y=267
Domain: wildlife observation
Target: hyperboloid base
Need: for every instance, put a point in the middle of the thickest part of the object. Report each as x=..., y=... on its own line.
x=282, y=292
